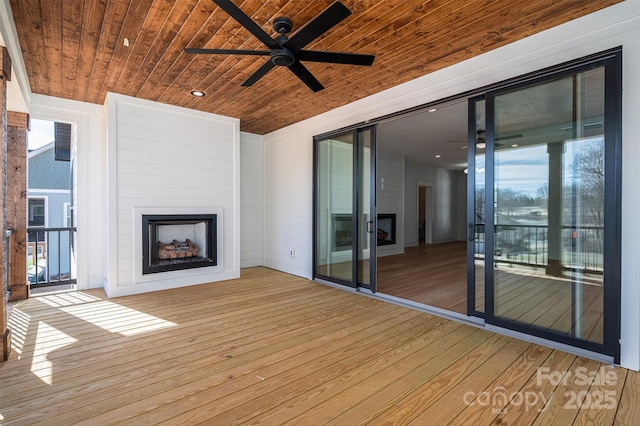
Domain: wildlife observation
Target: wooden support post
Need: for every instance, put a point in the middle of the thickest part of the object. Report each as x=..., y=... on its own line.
x=5, y=75
x=17, y=197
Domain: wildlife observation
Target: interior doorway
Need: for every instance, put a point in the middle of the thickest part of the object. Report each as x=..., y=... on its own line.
x=425, y=213
x=51, y=232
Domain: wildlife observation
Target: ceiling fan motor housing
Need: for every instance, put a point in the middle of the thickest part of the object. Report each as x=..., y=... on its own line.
x=282, y=57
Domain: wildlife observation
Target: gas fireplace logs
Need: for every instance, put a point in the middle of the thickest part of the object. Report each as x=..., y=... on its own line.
x=177, y=249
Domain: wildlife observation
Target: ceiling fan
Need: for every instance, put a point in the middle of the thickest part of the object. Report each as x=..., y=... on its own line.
x=288, y=52
x=480, y=140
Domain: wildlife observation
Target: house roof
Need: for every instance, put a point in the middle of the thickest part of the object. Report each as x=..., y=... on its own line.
x=77, y=50
x=35, y=152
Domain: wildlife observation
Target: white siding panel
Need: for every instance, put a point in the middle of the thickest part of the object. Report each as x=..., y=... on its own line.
x=288, y=201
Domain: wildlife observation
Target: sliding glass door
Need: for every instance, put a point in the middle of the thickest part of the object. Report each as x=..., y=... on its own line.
x=549, y=239
x=542, y=206
x=344, y=217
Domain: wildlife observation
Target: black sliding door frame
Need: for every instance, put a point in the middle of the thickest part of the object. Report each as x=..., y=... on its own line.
x=612, y=63
x=357, y=195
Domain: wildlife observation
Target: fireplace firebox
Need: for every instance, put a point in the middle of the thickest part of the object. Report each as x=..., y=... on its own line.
x=386, y=229
x=176, y=242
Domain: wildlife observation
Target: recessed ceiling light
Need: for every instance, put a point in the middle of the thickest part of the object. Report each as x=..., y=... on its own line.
x=433, y=110
x=438, y=155
x=197, y=93
x=514, y=145
x=481, y=145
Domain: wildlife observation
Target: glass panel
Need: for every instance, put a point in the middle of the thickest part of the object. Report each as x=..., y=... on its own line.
x=479, y=215
x=334, y=214
x=549, y=205
x=366, y=224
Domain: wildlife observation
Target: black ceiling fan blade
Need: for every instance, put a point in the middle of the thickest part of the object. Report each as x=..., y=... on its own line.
x=196, y=50
x=335, y=57
x=258, y=74
x=305, y=75
x=326, y=20
x=244, y=20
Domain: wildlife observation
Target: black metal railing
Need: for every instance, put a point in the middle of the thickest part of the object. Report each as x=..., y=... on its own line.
x=582, y=247
x=50, y=253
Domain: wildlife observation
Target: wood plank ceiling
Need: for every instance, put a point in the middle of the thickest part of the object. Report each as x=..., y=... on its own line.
x=75, y=49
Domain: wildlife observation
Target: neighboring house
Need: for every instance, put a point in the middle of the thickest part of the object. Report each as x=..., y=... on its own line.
x=49, y=206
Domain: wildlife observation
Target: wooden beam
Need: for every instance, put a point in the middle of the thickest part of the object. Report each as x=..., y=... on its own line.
x=5, y=75
x=16, y=203
x=20, y=120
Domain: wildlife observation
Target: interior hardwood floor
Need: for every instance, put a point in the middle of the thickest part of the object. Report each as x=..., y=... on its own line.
x=432, y=274
x=272, y=348
x=436, y=275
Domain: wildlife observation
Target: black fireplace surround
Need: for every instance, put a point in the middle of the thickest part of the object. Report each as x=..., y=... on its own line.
x=190, y=224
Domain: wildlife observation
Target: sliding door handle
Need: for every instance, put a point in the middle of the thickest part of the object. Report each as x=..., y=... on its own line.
x=370, y=227
x=472, y=233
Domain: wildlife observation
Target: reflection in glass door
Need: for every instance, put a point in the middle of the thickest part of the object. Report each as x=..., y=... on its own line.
x=366, y=222
x=476, y=207
x=334, y=208
x=343, y=208
x=549, y=206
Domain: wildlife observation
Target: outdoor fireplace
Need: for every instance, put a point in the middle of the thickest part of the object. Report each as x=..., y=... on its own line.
x=176, y=242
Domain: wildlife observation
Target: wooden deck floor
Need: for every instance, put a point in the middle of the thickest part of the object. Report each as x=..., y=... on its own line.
x=271, y=348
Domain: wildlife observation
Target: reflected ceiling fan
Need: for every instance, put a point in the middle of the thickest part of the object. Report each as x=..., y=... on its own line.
x=288, y=52
x=480, y=140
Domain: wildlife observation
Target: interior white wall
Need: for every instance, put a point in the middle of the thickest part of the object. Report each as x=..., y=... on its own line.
x=289, y=160
x=164, y=159
x=391, y=197
x=251, y=200
x=446, y=200
x=461, y=205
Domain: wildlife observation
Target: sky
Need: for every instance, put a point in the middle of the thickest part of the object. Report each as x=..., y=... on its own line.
x=41, y=133
x=525, y=169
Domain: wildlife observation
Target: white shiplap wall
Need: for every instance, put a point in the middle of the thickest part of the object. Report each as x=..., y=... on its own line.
x=288, y=198
x=251, y=200
x=164, y=158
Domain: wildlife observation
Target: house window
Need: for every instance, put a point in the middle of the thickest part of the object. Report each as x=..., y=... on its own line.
x=36, y=212
x=37, y=218
x=67, y=214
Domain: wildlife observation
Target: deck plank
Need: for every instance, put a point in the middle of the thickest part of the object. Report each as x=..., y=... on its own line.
x=628, y=412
